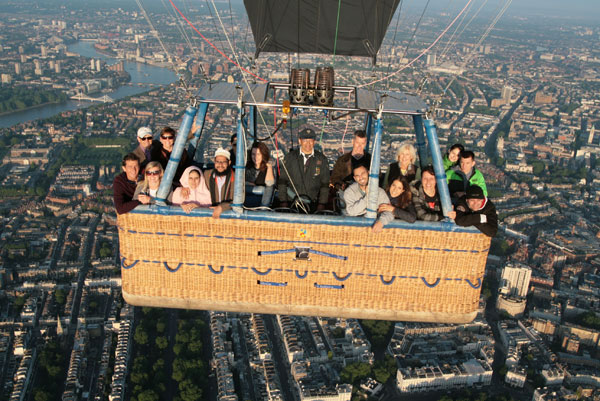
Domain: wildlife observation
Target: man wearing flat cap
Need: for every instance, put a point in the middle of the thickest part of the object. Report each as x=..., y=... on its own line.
x=308, y=170
x=475, y=209
x=220, y=182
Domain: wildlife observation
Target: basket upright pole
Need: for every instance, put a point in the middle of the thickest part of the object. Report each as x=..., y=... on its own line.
x=368, y=130
x=421, y=144
x=373, y=188
x=200, y=127
x=438, y=166
x=240, y=165
x=178, y=147
x=252, y=123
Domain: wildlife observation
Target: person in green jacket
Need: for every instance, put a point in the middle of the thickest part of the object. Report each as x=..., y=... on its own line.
x=460, y=178
x=452, y=155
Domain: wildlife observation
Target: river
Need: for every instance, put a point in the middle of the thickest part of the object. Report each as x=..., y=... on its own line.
x=140, y=74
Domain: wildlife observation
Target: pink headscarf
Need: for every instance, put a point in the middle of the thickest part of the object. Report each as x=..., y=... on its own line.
x=200, y=196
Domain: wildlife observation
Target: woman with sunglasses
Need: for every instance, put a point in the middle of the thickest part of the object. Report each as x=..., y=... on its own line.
x=162, y=153
x=145, y=192
x=198, y=195
x=400, y=201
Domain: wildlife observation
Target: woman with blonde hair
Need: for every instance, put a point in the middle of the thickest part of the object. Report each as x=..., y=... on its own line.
x=197, y=192
x=146, y=191
x=404, y=167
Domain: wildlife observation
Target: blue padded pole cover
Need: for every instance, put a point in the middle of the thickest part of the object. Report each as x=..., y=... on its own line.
x=438, y=166
x=368, y=130
x=200, y=124
x=421, y=144
x=178, y=147
x=240, y=167
x=373, y=188
x=252, y=123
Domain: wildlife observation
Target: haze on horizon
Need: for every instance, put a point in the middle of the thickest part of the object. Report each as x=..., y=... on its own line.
x=587, y=10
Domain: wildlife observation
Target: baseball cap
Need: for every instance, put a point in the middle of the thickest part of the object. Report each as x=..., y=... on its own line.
x=475, y=192
x=143, y=132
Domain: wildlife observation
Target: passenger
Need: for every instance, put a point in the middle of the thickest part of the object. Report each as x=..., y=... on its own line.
x=220, y=183
x=426, y=197
x=341, y=176
x=197, y=191
x=355, y=197
x=404, y=167
x=260, y=176
x=452, y=155
x=308, y=170
x=124, y=184
x=400, y=201
x=146, y=144
x=460, y=178
x=146, y=191
x=162, y=153
x=475, y=209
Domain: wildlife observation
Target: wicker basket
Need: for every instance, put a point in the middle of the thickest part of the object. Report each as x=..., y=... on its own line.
x=244, y=265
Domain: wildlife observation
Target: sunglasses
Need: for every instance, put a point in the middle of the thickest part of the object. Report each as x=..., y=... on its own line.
x=167, y=136
x=148, y=138
x=153, y=172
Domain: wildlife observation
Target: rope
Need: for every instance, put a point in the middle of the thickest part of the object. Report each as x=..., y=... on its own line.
x=422, y=53
x=322, y=130
x=300, y=204
x=155, y=32
x=346, y=129
x=393, y=45
x=337, y=25
x=212, y=45
x=414, y=34
x=448, y=47
x=485, y=35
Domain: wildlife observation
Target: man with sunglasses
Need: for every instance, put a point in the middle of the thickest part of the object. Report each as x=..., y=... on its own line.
x=146, y=143
x=162, y=153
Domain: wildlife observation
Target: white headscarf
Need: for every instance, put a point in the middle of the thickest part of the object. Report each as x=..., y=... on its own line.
x=200, y=196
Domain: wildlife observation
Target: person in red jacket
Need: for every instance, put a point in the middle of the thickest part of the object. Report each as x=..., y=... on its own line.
x=124, y=184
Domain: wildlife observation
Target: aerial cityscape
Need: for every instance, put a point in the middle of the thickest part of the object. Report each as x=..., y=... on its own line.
x=518, y=88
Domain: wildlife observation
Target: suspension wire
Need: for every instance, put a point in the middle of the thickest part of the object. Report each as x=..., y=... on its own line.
x=212, y=45
x=483, y=37
x=469, y=22
x=454, y=37
x=414, y=34
x=182, y=31
x=214, y=21
x=155, y=32
x=337, y=25
x=393, y=42
x=300, y=204
x=186, y=37
x=422, y=53
x=231, y=18
x=348, y=118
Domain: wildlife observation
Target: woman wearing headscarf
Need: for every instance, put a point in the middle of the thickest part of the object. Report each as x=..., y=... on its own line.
x=198, y=194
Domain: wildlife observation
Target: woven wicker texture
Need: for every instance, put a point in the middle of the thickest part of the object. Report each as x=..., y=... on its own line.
x=229, y=261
